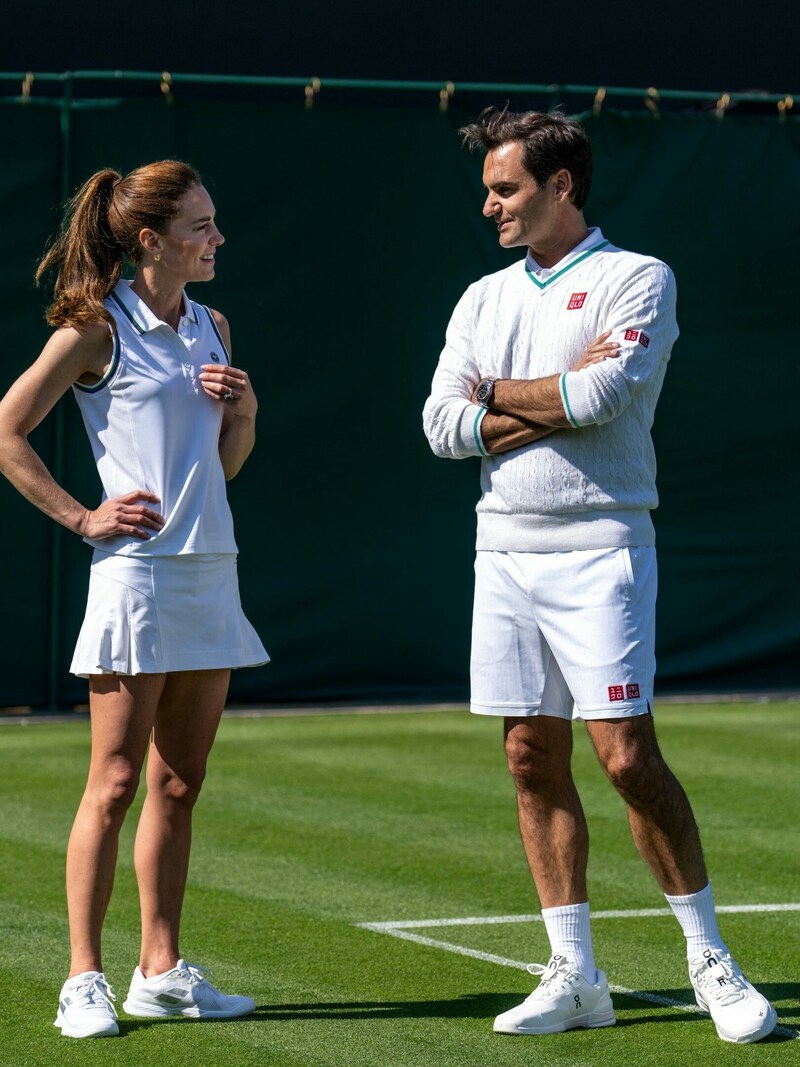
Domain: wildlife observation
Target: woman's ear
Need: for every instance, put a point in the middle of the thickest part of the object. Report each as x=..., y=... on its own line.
x=150, y=242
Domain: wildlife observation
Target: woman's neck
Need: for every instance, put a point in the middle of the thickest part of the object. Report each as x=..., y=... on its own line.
x=164, y=300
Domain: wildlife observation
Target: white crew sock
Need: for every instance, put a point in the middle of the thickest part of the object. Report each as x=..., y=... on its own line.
x=698, y=921
x=571, y=936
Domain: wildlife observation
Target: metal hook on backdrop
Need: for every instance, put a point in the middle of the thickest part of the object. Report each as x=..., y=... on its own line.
x=27, y=85
x=311, y=91
x=651, y=102
x=785, y=105
x=445, y=96
x=166, y=86
x=599, y=97
x=722, y=105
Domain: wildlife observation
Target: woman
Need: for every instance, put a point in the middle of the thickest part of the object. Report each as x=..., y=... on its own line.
x=169, y=419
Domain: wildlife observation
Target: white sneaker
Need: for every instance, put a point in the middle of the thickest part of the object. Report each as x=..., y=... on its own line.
x=85, y=1008
x=563, y=1000
x=182, y=991
x=739, y=1011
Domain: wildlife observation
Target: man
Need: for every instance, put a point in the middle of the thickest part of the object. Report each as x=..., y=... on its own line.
x=551, y=372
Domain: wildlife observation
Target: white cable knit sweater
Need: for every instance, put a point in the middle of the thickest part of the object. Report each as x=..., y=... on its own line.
x=593, y=485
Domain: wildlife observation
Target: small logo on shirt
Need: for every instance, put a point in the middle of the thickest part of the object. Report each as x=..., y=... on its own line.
x=576, y=301
x=623, y=692
x=215, y=357
x=637, y=335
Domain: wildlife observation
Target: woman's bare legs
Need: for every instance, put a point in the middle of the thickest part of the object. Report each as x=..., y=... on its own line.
x=123, y=710
x=184, y=730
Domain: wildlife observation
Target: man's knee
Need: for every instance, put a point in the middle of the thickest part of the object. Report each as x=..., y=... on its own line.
x=536, y=757
x=634, y=765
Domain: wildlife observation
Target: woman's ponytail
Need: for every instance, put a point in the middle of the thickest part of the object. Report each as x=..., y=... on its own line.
x=88, y=257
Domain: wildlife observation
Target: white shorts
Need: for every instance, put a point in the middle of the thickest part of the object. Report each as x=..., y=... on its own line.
x=153, y=614
x=569, y=634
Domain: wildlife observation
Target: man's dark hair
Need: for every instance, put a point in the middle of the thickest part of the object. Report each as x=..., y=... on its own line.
x=550, y=142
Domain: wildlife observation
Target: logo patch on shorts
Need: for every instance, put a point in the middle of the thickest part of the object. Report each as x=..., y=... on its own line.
x=576, y=301
x=623, y=692
x=637, y=335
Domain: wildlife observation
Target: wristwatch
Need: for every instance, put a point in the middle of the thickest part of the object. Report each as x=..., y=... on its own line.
x=485, y=392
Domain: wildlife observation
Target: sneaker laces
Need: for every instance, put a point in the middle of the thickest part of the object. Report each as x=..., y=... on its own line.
x=192, y=973
x=556, y=976
x=719, y=981
x=95, y=990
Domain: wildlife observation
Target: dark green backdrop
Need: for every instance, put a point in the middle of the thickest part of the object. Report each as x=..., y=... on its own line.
x=351, y=232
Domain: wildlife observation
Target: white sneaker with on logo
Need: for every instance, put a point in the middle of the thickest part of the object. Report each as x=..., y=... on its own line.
x=184, y=990
x=85, y=1008
x=739, y=1011
x=563, y=1000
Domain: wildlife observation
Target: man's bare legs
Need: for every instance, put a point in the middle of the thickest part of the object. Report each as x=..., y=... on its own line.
x=660, y=816
x=551, y=820
x=664, y=830
x=552, y=823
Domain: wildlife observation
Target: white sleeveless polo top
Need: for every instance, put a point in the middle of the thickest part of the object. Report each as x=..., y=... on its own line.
x=152, y=427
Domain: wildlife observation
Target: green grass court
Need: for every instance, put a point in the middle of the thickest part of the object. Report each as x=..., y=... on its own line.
x=313, y=825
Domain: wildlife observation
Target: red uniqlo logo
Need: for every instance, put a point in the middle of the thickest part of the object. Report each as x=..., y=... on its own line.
x=576, y=301
x=632, y=692
x=616, y=692
x=637, y=335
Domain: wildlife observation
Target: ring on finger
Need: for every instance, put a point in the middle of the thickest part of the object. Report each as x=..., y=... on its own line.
x=228, y=395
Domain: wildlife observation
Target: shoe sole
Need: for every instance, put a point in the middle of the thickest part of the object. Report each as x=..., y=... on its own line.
x=67, y=1031
x=588, y=1023
x=146, y=1011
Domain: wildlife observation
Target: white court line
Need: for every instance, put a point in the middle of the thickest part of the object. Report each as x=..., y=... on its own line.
x=640, y=913
x=402, y=930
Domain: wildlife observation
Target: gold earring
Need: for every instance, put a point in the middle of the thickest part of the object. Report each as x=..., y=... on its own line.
x=157, y=259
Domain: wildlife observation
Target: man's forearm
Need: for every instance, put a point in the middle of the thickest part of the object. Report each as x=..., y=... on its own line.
x=502, y=433
x=537, y=401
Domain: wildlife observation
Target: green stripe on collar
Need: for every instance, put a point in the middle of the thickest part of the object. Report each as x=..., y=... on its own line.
x=128, y=314
x=564, y=270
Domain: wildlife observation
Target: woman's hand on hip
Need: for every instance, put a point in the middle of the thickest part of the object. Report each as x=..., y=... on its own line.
x=125, y=515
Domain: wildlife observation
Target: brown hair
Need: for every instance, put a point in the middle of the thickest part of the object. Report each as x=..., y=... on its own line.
x=550, y=142
x=103, y=222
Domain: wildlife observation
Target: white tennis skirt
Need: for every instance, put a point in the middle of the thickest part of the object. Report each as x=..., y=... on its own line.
x=153, y=614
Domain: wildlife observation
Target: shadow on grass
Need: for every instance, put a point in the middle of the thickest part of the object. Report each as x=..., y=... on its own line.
x=485, y=1006
x=469, y=1006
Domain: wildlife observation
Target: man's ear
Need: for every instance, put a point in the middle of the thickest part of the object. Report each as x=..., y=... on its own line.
x=562, y=184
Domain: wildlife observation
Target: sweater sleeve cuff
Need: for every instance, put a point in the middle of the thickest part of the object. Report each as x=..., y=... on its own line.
x=469, y=431
x=575, y=399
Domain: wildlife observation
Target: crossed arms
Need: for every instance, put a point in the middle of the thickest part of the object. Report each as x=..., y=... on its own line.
x=523, y=411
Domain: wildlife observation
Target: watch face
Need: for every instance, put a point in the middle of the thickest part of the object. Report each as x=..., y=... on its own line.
x=484, y=391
